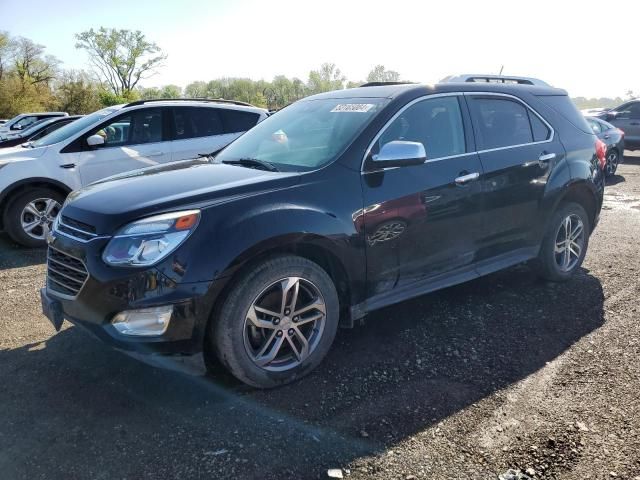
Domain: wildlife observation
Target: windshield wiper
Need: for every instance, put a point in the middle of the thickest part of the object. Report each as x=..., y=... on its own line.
x=252, y=163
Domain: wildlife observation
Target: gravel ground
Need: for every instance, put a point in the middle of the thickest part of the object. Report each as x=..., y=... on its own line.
x=503, y=376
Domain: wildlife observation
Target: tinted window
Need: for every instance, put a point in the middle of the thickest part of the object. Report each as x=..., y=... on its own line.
x=500, y=123
x=436, y=123
x=632, y=111
x=134, y=128
x=48, y=130
x=595, y=126
x=192, y=122
x=540, y=131
x=565, y=107
x=237, y=121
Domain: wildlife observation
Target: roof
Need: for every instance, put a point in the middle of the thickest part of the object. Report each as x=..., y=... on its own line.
x=217, y=102
x=392, y=91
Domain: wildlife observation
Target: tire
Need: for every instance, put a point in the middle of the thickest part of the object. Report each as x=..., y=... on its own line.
x=244, y=340
x=551, y=263
x=43, y=200
x=613, y=160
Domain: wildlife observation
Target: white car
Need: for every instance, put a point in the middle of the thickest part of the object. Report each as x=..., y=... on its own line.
x=22, y=121
x=35, y=179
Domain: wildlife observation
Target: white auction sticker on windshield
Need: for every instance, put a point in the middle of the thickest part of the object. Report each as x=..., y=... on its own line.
x=353, y=107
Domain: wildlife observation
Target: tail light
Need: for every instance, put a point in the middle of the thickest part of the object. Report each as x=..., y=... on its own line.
x=601, y=153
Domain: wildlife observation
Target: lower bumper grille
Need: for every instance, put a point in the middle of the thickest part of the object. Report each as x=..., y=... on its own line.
x=66, y=275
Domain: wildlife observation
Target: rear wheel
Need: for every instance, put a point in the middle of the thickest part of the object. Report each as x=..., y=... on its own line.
x=613, y=159
x=30, y=215
x=565, y=243
x=277, y=323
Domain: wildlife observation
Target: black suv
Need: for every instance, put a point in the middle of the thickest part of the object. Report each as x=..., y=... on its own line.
x=337, y=205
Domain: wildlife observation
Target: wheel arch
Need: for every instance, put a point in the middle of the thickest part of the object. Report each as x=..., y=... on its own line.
x=315, y=248
x=583, y=194
x=9, y=193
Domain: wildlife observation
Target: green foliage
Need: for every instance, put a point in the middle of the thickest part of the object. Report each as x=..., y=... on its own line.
x=603, y=102
x=327, y=78
x=120, y=57
x=76, y=93
x=380, y=74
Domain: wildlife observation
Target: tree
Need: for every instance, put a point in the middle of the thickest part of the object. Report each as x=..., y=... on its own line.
x=121, y=57
x=6, y=52
x=76, y=93
x=170, y=91
x=380, y=74
x=196, y=90
x=31, y=65
x=327, y=78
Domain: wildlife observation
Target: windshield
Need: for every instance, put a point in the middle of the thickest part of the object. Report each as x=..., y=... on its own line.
x=72, y=128
x=306, y=135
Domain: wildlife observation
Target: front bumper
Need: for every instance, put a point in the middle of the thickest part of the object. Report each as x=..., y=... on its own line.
x=108, y=291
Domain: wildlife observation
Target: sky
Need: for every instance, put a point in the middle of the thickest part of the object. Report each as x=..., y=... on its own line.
x=582, y=46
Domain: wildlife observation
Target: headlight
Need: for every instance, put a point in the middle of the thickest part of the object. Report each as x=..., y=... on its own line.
x=147, y=241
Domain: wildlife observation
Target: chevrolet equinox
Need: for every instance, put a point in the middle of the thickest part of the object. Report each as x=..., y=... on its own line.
x=337, y=205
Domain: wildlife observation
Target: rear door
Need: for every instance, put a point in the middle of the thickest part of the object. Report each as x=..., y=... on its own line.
x=518, y=150
x=135, y=139
x=203, y=130
x=423, y=221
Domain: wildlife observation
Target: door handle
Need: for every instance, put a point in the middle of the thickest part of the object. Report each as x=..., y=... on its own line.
x=607, y=136
x=155, y=154
x=463, y=179
x=634, y=123
x=545, y=157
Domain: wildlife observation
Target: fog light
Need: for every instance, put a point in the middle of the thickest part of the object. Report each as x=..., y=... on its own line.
x=145, y=322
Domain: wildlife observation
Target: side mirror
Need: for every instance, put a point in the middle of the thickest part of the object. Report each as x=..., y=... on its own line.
x=399, y=154
x=95, y=140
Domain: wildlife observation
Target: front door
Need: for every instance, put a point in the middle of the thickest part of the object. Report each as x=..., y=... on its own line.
x=132, y=140
x=423, y=221
x=518, y=152
x=627, y=119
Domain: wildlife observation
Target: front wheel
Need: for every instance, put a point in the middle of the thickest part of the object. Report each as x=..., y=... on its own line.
x=565, y=244
x=613, y=159
x=277, y=323
x=30, y=215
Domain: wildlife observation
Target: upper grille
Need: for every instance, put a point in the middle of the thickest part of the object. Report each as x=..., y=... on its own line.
x=65, y=274
x=77, y=230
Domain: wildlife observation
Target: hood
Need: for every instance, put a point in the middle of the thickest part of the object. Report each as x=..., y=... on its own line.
x=109, y=204
x=18, y=153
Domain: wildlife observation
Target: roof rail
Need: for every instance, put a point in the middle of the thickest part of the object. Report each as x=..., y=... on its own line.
x=482, y=78
x=212, y=100
x=381, y=84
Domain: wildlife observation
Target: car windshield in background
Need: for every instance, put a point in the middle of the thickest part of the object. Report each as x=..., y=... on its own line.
x=71, y=128
x=306, y=135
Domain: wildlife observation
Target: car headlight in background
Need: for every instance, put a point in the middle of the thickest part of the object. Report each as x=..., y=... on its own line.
x=149, y=240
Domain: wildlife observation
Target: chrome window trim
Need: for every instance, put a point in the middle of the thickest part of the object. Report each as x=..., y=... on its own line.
x=457, y=94
x=60, y=294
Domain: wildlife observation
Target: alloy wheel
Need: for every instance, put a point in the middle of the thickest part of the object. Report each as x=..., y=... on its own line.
x=570, y=240
x=612, y=162
x=284, y=324
x=37, y=216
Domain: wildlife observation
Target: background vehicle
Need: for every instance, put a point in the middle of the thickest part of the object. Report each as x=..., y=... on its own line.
x=35, y=131
x=23, y=120
x=627, y=118
x=337, y=205
x=614, y=140
x=34, y=181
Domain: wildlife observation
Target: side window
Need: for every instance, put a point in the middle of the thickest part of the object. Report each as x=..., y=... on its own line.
x=500, y=122
x=540, y=131
x=134, y=128
x=595, y=126
x=25, y=122
x=629, y=111
x=193, y=122
x=435, y=122
x=236, y=121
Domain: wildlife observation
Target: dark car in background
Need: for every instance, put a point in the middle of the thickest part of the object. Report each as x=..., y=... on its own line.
x=35, y=131
x=335, y=206
x=626, y=117
x=613, y=138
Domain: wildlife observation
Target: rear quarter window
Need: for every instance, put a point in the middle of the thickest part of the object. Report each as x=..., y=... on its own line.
x=563, y=105
x=237, y=121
